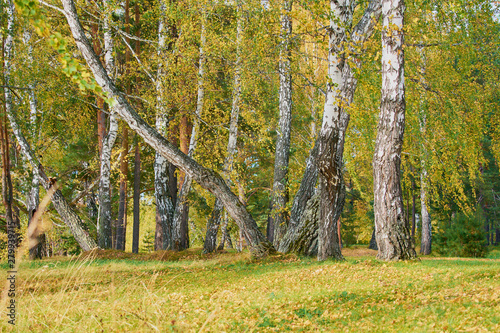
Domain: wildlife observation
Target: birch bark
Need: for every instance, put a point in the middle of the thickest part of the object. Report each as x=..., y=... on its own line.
x=279, y=199
x=330, y=136
x=296, y=232
x=391, y=228
x=164, y=204
x=426, y=239
x=104, y=221
x=33, y=197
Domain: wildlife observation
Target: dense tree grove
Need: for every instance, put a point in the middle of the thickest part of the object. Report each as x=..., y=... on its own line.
x=290, y=126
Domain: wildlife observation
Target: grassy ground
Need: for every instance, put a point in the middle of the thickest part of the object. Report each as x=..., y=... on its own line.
x=113, y=292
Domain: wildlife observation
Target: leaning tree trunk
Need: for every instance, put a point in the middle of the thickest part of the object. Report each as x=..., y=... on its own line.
x=108, y=141
x=181, y=207
x=164, y=205
x=207, y=178
x=391, y=228
x=67, y=214
x=214, y=221
x=279, y=197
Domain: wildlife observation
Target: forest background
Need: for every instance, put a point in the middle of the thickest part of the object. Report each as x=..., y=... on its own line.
x=214, y=50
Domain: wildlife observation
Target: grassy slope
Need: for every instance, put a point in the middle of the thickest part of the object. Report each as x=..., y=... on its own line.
x=229, y=292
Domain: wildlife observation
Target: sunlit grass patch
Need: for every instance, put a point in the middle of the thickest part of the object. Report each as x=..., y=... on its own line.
x=231, y=292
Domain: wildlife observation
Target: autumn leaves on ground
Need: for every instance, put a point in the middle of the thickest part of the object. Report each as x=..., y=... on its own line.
x=111, y=291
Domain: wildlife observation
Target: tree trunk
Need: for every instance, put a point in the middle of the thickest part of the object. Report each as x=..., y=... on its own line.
x=225, y=235
x=391, y=227
x=373, y=242
x=12, y=227
x=137, y=159
x=8, y=108
x=330, y=153
x=426, y=239
x=137, y=198
x=164, y=201
x=279, y=195
x=101, y=116
x=361, y=32
x=33, y=197
x=300, y=201
x=121, y=224
x=413, y=209
x=214, y=222
x=104, y=222
x=207, y=178
x=306, y=238
x=69, y=217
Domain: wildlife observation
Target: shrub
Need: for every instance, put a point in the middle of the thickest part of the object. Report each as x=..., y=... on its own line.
x=148, y=241
x=464, y=236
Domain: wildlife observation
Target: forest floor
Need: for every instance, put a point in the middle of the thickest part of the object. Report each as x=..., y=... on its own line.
x=108, y=291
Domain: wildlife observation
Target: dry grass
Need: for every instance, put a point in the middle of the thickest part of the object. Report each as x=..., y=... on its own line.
x=108, y=291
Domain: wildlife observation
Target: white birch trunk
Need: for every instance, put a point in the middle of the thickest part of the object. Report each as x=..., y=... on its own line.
x=164, y=204
x=279, y=198
x=391, y=227
x=33, y=197
x=104, y=222
x=330, y=152
x=214, y=221
x=426, y=240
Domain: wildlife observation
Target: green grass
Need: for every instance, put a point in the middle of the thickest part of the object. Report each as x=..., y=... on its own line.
x=233, y=293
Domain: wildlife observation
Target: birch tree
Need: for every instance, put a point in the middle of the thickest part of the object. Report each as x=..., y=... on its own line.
x=207, y=178
x=33, y=197
x=279, y=199
x=426, y=239
x=328, y=149
x=391, y=227
x=68, y=215
x=104, y=222
x=164, y=204
x=8, y=106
